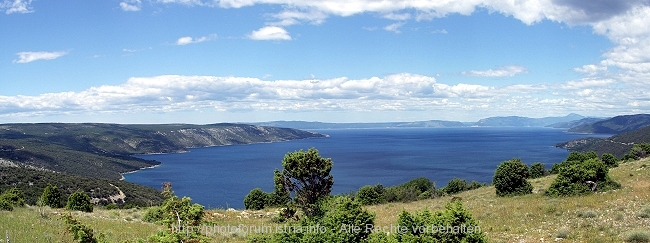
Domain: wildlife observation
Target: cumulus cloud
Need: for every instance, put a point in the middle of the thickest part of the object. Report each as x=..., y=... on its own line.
x=507, y=71
x=29, y=56
x=270, y=33
x=397, y=92
x=131, y=5
x=189, y=40
x=16, y=6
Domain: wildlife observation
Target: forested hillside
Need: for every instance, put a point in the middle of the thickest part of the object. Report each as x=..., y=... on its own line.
x=103, y=150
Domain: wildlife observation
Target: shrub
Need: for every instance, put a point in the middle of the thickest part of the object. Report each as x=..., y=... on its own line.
x=645, y=213
x=79, y=201
x=280, y=195
x=537, y=170
x=453, y=218
x=153, y=215
x=111, y=206
x=456, y=185
x=256, y=199
x=421, y=184
x=637, y=236
x=573, y=176
x=13, y=196
x=609, y=160
x=370, y=195
x=510, y=179
x=409, y=191
x=6, y=206
x=80, y=232
x=638, y=151
x=52, y=197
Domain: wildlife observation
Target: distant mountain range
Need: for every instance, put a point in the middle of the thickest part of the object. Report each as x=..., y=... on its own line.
x=614, y=125
x=327, y=125
x=507, y=121
x=575, y=123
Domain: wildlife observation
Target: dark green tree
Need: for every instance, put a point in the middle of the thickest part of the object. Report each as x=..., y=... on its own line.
x=370, y=195
x=510, y=178
x=256, y=199
x=13, y=196
x=610, y=160
x=52, y=197
x=79, y=201
x=456, y=185
x=537, y=170
x=280, y=195
x=579, y=177
x=307, y=176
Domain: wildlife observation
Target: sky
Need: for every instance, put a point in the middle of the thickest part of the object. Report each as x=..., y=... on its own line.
x=211, y=61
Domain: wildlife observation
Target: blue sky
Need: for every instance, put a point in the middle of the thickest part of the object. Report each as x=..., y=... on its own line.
x=207, y=61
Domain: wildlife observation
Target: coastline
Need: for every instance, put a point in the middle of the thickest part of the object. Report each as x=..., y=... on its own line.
x=129, y=172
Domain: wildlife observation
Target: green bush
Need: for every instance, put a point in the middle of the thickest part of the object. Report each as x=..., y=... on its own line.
x=307, y=175
x=370, y=195
x=153, y=215
x=510, y=179
x=13, y=196
x=52, y=197
x=6, y=206
x=455, y=220
x=610, y=160
x=537, y=170
x=638, y=151
x=573, y=176
x=456, y=185
x=344, y=220
x=111, y=206
x=79, y=201
x=80, y=232
x=256, y=199
x=637, y=236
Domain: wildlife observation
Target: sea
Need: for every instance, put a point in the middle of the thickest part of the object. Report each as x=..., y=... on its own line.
x=221, y=176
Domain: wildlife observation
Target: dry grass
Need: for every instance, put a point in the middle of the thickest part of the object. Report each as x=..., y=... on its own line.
x=614, y=216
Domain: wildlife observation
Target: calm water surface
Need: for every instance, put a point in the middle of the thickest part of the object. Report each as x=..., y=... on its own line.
x=222, y=176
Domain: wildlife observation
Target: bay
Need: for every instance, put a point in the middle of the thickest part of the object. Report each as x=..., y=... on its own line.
x=220, y=177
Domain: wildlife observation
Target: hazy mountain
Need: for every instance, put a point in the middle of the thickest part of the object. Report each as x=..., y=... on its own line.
x=327, y=125
x=615, y=125
x=519, y=121
x=575, y=123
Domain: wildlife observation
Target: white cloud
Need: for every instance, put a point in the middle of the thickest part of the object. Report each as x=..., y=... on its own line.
x=29, y=56
x=16, y=6
x=397, y=92
x=398, y=16
x=270, y=33
x=591, y=69
x=507, y=71
x=189, y=40
x=394, y=27
x=131, y=5
x=440, y=31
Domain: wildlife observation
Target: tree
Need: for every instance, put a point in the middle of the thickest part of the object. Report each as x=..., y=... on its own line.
x=575, y=178
x=13, y=196
x=369, y=195
x=256, y=199
x=610, y=160
x=280, y=195
x=307, y=176
x=79, y=201
x=537, y=170
x=456, y=185
x=510, y=178
x=52, y=197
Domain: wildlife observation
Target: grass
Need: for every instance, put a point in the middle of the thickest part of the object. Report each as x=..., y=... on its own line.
x=613, y=216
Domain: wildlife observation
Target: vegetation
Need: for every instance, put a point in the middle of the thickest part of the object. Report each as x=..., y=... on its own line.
x=52, y=197
x=537, y=170
x=307, y=176
x=457, y=185
x=370, y=195
x=256, y=199
x=454, y=224
x=618, y=145
x=33, y=183
x=615, y=125
x=510, y=179
x=581, y=173
x=79, y=201
x=80, y=232
x=11, y=198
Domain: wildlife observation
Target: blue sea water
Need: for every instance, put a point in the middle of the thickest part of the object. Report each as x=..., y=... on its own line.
x=220, y=177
